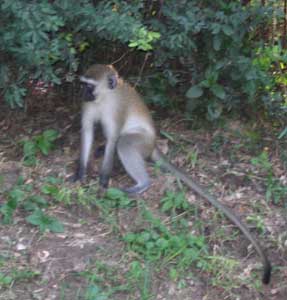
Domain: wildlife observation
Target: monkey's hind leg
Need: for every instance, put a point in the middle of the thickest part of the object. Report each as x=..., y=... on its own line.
x=131, y=151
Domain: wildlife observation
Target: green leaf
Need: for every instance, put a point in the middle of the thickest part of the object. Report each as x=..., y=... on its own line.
x=214, y=111
x=7, y=209
x=216, y=42
x=49, y=189
x=45, y=222
x=115, y=194
x=43, y=145
x=283, y=133
x=228, y=30
x=218, y=91
x=50, y=134
x=5, y=280
x=167, y=206
x=93, y=292
x=34, y=202
x=194, y=92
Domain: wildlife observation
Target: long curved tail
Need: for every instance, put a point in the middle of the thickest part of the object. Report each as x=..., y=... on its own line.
x=157, y=156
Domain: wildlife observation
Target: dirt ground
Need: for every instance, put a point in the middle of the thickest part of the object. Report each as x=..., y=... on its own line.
x=62, y=265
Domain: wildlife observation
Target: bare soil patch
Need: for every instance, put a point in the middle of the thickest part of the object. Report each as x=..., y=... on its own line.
x=62, y=264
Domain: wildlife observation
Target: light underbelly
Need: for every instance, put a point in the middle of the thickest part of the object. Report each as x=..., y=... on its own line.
x=136, y=125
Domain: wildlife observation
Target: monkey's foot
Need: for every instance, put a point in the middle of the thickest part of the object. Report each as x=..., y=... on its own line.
x=76, y=177
x=137, y=189
x=104, y=181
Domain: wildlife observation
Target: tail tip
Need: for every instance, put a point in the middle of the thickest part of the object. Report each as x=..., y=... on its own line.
x=267, y=274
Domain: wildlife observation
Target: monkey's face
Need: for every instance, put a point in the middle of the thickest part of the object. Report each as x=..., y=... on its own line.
x=98, y=80
x=89, y=88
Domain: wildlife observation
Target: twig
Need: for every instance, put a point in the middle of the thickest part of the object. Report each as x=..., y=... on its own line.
x=117, y=60
x=142, y=68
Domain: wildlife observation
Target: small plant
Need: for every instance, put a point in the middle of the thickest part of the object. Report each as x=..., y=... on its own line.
x=192, y=158
x=143, y=39
x=222, y=269
x=114, y=198
x=24, y=274
x=44, y=222
x=274, y=189
x=34, y=202
x=42, y=143
x=118, y=199
x=157, y=243
x=94, y=292
x=103, y=281
x=15, y=197
x=20, y=196
x=16, y=275
x=60, y=193
x=5, y=280
x=218, y=142
x=258, y=221
x=154, y=90
x=139, y=275
x=174, y=202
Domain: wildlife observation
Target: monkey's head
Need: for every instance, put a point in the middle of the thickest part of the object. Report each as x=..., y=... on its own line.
x=98, y=80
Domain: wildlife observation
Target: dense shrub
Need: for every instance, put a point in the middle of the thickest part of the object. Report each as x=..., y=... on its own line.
x=45, y=39
x=215, y=53
x=221, y=55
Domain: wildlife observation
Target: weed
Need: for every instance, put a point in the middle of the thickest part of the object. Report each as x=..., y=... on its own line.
x=258, y=221
x=17, y=275
x=140, y=275
x=94, y=292
x=24, y=274
x=44, y=222
x=222, y=269
x=15, y=196
x=42, y=143
x=5, y=280
x=21, y=196
x=60, y=194
x=274, y=189
x=173, y=202
x=218, y=142
x=156, y=243
x=192, y=158
x=103, y=282
x=252, y=140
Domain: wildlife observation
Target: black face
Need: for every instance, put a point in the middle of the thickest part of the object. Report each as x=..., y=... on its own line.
x=112, y=81
x=87, y=91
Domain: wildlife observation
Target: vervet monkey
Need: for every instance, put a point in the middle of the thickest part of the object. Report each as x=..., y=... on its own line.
x=129, y=129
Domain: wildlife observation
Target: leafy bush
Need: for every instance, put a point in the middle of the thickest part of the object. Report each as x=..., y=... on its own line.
x=212, y=52
x=216, y=46
x=43, y=40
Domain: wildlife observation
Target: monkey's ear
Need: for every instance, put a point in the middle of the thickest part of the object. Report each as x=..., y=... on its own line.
x=112, y=81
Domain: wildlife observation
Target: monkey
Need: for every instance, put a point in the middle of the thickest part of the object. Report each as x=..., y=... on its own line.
x=130, y=132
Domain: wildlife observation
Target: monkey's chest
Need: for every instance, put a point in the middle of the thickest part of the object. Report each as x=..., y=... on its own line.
x=109, y=126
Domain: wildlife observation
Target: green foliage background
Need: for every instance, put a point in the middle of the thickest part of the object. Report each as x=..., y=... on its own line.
x=214, y=56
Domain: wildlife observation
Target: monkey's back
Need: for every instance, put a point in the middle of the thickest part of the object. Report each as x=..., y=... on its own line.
x=138, y=118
